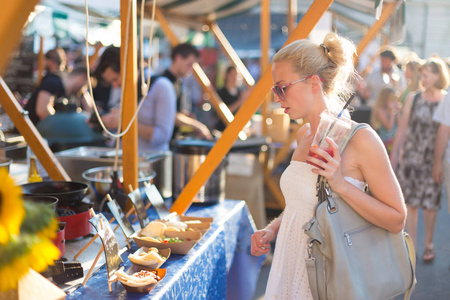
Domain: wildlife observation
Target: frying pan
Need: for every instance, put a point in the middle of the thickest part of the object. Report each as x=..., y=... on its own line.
x=68, y=193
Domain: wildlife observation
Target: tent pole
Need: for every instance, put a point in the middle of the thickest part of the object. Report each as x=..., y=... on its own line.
x=41, y=60
x=13, y=17
x=292, y=15
x=228, y=49
x=265, y=60
x=388, y=11
x=129, y=140
x=223, y=145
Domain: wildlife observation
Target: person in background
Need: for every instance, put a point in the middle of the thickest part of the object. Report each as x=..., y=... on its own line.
x=416, y=136
x=441, y=167
x=183, y=57
x=412, y=75
x=231, y=94
x=309, y=79
x=55, y=61
x=156, y=118
x=386, y=75
x=106, y=91
x=385, y=116
x=40, y=105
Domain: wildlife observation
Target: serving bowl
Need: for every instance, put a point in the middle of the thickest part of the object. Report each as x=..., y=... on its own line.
x=100, y=178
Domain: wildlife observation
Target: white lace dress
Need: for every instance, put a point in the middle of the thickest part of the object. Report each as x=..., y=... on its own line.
x=288, y=278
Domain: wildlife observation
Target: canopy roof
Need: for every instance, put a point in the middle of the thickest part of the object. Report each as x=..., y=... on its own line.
x=352, y=18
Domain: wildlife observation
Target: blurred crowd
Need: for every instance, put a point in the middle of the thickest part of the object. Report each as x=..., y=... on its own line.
x=410, y=110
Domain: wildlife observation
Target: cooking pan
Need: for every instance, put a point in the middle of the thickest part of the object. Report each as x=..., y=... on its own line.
x=68, y=193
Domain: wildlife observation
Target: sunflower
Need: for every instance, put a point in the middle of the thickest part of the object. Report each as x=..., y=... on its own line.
x=22, y=253
x=26, y=230
x=11, y=207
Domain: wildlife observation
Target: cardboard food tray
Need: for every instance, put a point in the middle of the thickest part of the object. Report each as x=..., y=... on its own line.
x=203, y=226
x=163, y=252
x=176, y=248
x=145, y=288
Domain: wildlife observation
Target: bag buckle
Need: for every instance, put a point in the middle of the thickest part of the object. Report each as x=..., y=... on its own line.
x=309, y=250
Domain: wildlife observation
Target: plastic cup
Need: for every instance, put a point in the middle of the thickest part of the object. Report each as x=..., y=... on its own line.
x=338, y=129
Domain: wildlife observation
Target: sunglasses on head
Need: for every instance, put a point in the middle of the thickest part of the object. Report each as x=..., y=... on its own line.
x=278, y=90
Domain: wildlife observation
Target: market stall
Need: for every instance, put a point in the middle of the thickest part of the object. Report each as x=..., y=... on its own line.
x=219, y=265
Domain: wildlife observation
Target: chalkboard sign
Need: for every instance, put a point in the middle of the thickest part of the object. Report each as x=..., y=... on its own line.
x=19, y=73
x=109, y=241
x=139, y=206
x=157, y=201
x=121, y=218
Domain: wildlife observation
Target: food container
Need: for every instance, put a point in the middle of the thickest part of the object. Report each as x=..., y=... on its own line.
x=203, y=226
x=161, y=273
x=163, y=252
x=188, y=156
x=176, y=248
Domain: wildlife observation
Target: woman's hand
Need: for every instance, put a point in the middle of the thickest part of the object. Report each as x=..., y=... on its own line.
x=329, y=162
x=261, y=241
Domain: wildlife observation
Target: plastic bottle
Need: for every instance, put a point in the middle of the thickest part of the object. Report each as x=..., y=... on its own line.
x=33, y=175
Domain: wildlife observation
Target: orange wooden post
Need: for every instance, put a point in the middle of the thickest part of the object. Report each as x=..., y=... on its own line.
x=292, y=15
x=223, y=145
x=13, y=16
x=129, y=140
x=229, y=50
x=41, y=60
x=265, y=60
x=388, y=11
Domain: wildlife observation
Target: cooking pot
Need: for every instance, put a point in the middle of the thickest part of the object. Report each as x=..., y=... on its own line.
x=49, y=200
x=5, y=163
x=188, y=155
x=69, y=193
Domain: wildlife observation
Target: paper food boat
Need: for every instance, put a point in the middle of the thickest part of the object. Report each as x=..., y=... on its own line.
x=203, y=226
x=182, y=248
x=145, y=288
x=162, y=252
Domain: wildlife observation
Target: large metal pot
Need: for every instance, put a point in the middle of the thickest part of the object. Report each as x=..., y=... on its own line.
x=188, y=155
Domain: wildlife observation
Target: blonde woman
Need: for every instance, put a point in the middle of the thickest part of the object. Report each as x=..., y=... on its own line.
x=307, y=81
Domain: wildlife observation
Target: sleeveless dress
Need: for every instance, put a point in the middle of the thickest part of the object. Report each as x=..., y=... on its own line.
x=288, y=278
x=414, y=172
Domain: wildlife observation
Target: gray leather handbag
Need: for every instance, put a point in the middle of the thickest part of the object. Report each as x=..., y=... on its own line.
x=350, y=258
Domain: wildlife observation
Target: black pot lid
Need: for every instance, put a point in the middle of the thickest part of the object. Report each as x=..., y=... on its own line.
x=192, y=146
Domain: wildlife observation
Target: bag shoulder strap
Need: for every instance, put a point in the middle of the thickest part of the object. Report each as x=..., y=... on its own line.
x=352, y=132
x=322, y=187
